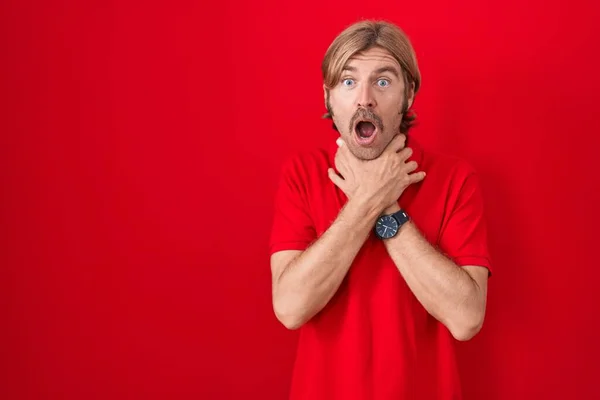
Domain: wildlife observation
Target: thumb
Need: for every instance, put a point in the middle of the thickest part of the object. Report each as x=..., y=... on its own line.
x=397, y=143
x=335, y=178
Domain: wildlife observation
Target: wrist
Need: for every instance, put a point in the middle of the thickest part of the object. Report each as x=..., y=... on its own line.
x=405, y=237
x=364, y=209
x=395, y=207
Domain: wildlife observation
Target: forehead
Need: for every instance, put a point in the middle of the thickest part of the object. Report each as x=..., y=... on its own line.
x=372, y=59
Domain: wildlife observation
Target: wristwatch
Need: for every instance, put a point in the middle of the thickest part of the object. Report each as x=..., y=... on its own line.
x=387, y=226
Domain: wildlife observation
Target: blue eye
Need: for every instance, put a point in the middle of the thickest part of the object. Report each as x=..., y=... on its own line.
x=347, y=82
x=383, y=83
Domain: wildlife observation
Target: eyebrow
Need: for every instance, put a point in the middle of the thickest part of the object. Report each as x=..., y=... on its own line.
x=377, y=71
x=387, y=69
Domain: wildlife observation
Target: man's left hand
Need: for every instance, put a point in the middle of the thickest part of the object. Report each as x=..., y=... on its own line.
x=350, y=168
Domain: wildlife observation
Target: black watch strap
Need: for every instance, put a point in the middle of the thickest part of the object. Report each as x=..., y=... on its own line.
x=401, y=216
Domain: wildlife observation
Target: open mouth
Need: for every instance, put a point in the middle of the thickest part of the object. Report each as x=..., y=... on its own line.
x=365, y=132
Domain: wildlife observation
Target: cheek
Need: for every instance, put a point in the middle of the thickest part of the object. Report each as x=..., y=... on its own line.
x=342, y=102
x=391, y=100
x=391, y=106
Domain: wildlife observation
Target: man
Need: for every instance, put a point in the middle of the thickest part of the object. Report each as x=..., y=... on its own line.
x=378, y=247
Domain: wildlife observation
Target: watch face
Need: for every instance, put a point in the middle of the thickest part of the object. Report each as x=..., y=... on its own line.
x=386, y=227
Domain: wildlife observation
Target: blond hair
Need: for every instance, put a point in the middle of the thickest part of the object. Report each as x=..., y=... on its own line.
x=362, y=36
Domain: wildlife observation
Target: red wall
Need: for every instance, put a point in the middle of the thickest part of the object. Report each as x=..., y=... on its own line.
x=140, y=148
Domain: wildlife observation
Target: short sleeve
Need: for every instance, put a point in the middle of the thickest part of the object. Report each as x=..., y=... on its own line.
x=464, y=236
x=293, y=227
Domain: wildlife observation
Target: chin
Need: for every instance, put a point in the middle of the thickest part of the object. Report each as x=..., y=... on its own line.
x=365, y=153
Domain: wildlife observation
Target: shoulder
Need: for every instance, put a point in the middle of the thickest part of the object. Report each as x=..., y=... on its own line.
x=453, y=170
x=305, y=164
x=450, y=178
x=454, y=180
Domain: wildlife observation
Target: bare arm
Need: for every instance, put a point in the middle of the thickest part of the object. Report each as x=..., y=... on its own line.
x=304, y=282
x=456, y=296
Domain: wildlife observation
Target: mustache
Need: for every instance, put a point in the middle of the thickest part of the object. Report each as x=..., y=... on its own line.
x=364, y=114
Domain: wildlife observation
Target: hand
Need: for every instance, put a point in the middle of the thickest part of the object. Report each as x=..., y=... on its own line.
x=377, y=183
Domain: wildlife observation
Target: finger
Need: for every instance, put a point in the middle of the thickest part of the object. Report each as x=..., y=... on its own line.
x=342, y=148
x=339, y=161
x=397, y=143
x=417, y=177
x=410, y=166
x=405, y=153
x=344, y=157
x=335, y=178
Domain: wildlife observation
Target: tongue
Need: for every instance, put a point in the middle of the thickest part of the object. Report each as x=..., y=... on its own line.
x=365, y=129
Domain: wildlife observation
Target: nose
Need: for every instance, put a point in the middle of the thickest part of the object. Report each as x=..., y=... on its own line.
x=366, y=99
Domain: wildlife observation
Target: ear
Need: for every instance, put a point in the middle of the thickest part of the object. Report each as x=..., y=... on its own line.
x=327, y=98
x=411, y=95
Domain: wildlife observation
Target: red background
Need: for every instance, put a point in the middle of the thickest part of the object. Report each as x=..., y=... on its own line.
x=140, y=149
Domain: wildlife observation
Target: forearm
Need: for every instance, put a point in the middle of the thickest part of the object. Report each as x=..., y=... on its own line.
x=445, y=290
x=310, y=280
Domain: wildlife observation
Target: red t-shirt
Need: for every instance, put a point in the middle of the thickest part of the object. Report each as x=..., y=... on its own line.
x=374, y=340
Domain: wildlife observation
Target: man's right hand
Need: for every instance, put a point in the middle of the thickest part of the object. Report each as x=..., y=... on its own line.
x=376, y=183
